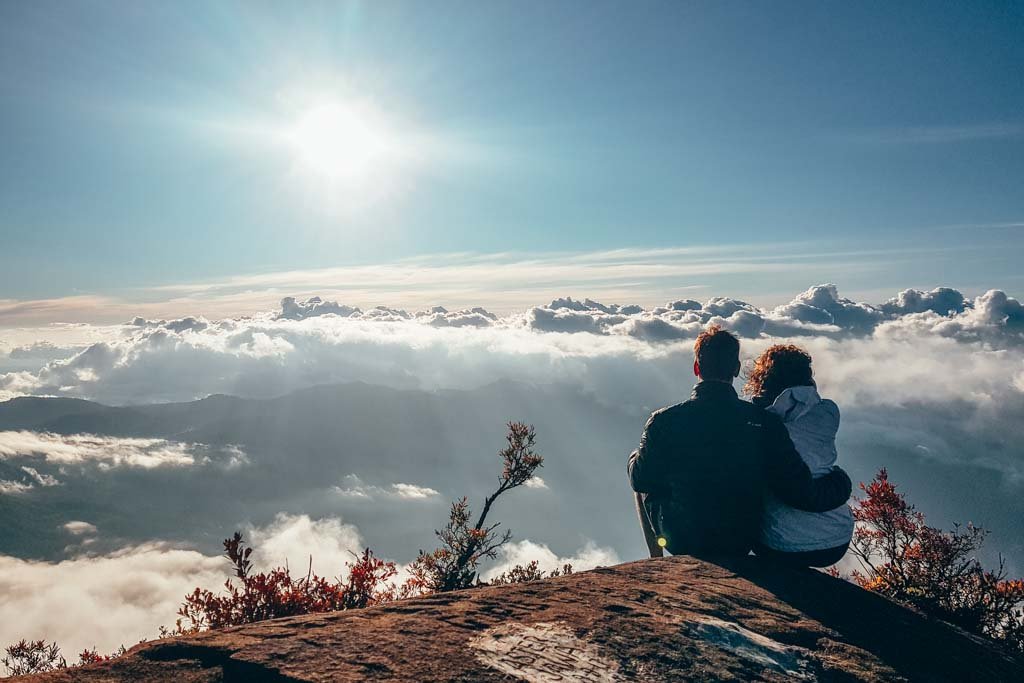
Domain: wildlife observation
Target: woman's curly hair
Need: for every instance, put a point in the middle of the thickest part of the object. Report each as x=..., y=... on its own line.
x=780, y=367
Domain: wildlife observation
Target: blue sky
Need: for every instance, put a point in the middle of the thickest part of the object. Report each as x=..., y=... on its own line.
x=142, y=142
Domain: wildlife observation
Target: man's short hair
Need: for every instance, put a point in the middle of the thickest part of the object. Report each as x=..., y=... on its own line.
x=718, y=354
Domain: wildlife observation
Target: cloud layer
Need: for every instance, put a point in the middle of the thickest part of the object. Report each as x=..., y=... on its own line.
x=104, y=601
x=931, y=384
x=315, y=342
x=928, y=348
x=930, y=352
x=75, y=449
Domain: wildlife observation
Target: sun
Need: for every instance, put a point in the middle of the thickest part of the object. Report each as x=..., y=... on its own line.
x=343, y=144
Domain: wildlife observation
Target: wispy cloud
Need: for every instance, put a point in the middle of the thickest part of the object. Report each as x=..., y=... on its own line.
x=940, y=134
x=354, y=487
x=13, y=487
x=1005, y=225
x=413, y=491
x=106, y=452
x=503, y=282
x=79, y=528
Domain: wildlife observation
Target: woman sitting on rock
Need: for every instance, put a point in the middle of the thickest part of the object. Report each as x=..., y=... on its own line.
x=782, y=382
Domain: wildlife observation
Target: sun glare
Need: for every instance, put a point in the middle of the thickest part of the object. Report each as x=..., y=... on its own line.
x=343, y=144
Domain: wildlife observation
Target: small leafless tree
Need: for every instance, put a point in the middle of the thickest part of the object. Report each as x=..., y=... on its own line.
x=32, y=657
x=463, y=546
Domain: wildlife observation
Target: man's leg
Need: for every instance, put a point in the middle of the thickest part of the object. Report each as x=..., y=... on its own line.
x=650, y=535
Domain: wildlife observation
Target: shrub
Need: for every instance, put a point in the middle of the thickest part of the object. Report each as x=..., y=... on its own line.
x=39, y=656
x=273, y=594
x=530, y=572
x=453, y=565
x=94, y=657
x=32, y=657
x=931, y=569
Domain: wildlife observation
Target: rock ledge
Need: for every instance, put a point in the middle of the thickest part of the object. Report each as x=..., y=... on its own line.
x=671, y=619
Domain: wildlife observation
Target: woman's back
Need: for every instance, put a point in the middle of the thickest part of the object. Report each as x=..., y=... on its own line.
x=813, y=423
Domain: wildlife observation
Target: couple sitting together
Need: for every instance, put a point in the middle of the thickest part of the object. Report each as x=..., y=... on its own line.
x=717, y=475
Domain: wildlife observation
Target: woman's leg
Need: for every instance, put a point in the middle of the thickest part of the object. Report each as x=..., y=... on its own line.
x=810, y=558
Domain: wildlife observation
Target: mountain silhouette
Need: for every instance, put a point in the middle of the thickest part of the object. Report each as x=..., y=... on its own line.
x=302, y=447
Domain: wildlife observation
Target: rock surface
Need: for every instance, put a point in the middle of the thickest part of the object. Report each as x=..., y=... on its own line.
x=672, y=619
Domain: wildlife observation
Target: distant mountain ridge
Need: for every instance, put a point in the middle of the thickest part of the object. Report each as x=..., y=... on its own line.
x=303, y=448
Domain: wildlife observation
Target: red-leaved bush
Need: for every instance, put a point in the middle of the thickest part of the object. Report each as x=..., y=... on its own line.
x=253, y=597
x=931, y=569
x=94, y=657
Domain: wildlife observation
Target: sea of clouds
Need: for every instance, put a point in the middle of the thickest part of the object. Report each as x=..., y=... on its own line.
x=931, y=373
x=912, y=346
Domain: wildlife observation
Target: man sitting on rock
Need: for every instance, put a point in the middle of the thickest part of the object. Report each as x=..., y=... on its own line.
x=704, y=465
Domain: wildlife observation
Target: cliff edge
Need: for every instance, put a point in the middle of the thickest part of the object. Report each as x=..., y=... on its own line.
x=671, y=619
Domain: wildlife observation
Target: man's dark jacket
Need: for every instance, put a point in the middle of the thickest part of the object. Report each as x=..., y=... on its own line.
x=706, y=464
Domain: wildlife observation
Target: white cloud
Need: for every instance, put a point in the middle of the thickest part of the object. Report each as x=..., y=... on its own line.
x=31, y=477
x=504, y=281
x=100, y=602
x=105, y=451
x=536, y=483
x=119, y=598
x=13, y=487
x=354, y=487
x=941, y=300
x=15, y=358
x=523, y=552
x=413, y=491
x=295, y=539
x=822, y=305
x=620, y=353
x=79, y=528
x=39, y=478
